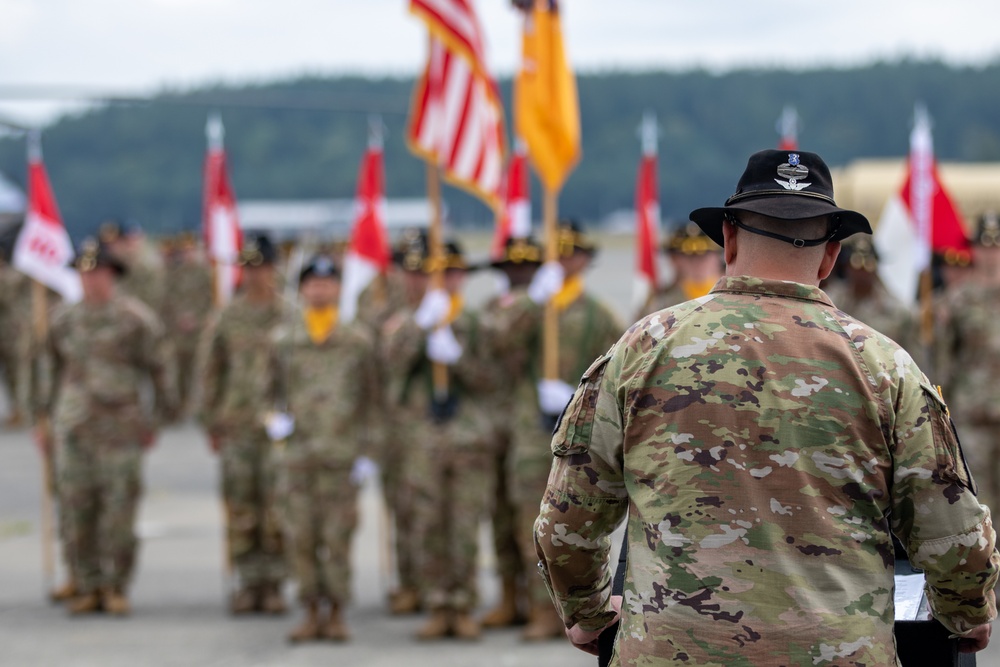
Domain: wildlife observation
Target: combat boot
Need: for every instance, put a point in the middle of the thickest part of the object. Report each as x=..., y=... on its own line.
x=438, y=626
x=271, y=600
x=243, y=601
x=543, y=623
x=465, y=626
x=404, y=601
x=64, y=593
x=87, y=603
x=115, y=602
x=335, y=629
x=506, y=613
x=310, y=627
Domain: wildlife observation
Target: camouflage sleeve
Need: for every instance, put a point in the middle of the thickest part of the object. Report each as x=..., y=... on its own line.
x=476, y=369
x=512, y=326
x=584, y=501
x=45, y=365
x=212, y=365
x=946, y=531
x=157, y=355
x=403, y=342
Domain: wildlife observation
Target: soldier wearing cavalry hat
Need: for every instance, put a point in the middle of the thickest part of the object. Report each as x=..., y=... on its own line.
x=697, y=264
x=759, y=440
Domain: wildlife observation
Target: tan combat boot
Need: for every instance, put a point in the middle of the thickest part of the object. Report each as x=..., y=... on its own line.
x=438, y=626
x=465, y=626
x=65, y=592
x=310, y=627
x=543, y=623
x=335, y=629
x=115, y=602
x=506, y=613
x=244, y=601
x=87, y=603
x=271, y=600
x=404, y=601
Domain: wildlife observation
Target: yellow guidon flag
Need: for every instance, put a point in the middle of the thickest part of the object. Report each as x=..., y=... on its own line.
x=546, y=107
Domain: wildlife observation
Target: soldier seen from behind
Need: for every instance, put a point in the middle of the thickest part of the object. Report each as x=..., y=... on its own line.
x=236, y=398
x=324, y=383
x=697, y=263
x=102, y=350
x=762, y=447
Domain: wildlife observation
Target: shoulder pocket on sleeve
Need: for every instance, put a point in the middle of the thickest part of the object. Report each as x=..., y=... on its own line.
x=576, y=425
x=951, y=462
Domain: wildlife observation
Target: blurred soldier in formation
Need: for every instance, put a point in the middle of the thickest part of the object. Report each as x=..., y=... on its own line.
x=145, y=277
x=187, y=306
x=447, y=460
x=399, y=290
x=324, y=383
x=102, y=350
x=972, y=342
x=521, y=259
x=236, y=397
x=697, y=262
x=15, y=330
x=954, y=268
x=862, y=295
x=587, y=329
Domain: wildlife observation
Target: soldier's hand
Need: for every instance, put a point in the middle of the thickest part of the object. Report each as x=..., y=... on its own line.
x=976, y=640
x=43, y=440
x=586, y=640
x=148, y=439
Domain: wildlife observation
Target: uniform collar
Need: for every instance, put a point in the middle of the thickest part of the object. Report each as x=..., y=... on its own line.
x=765, y=287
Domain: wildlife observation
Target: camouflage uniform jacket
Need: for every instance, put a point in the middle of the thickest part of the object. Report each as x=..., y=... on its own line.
x=470, y=379
x=763, y=444
x=187, y=305
x=666, y=297
x=882, y=312
x=236, y=379
x=972, y=341
x=100, y=356
x=328, y=388
x=145, y=277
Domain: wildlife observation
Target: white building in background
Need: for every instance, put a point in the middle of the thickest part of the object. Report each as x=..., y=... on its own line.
x=324, y=218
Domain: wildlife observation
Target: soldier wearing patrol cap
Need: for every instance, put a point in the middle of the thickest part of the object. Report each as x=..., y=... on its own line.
x=973, y=345
x=236, y=398
x=102, y=350
x=324, y=378
x=447, y=469
x=697, y=263
x=762, y=447
x=586, y=329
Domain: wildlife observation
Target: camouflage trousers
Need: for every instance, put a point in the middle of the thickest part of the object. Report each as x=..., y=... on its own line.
x=449, y=488
x=185, y=358
x=530, y=476
x=981, y=446
x=398, y=495
x=99, y=484
x=504, y=513
x=12, y=354
x=253, y=530
x=319, y=509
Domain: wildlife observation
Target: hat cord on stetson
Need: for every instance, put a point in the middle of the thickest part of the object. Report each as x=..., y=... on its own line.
x=798, y=243
x=740, y=196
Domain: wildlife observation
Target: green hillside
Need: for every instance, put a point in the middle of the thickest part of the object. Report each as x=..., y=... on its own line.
x=304, y=138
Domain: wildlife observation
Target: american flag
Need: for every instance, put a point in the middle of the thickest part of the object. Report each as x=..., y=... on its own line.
x=456, y=117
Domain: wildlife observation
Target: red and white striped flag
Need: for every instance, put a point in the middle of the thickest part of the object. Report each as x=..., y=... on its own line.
x=647, y=215
x=456, y=115
x=919, y=219
x=788, y=128
x=220, y=223
x=515, y=217
x=43, y=250
x=368, y=253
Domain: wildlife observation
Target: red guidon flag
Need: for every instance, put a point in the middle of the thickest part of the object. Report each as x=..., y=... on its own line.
x=788, y=128
x=515, y=217
x=920, y=219
x=647, y=216
x=220, y=224
x=368, y=253
x=43, y=250
x=456, y=116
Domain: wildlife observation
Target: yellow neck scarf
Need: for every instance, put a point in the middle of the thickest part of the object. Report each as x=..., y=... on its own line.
x=457, y=304
x=696, y=288
x=571, y=290
x=320, y=322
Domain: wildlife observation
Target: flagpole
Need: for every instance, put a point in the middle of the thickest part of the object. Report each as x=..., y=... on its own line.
x=435, y=242
x=550, y=331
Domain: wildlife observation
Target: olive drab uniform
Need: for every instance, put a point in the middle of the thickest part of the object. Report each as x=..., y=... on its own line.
x=236, y=396
x=760, y=484
x=327, y=384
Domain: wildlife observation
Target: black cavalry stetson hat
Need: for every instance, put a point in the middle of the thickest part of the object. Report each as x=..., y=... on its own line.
x=787, y=185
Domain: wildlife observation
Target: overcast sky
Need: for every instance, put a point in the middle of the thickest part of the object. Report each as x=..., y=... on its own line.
x=142, y=46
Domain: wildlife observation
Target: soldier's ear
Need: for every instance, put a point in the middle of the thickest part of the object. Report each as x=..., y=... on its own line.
x=729, y=234
x=830, y=253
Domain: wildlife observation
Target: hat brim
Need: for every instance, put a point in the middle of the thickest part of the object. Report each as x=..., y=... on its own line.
x=782, y=207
